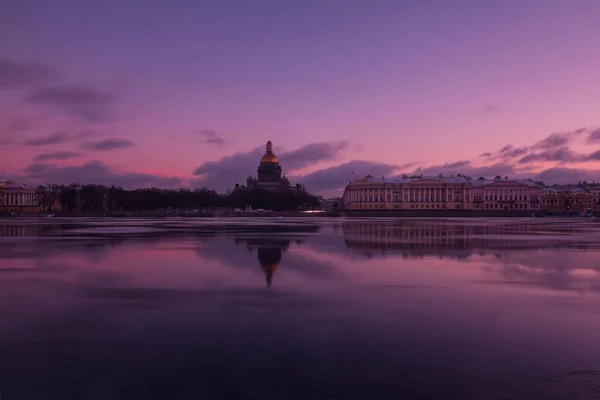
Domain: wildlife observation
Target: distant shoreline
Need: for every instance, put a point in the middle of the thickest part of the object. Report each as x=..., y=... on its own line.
x=299, y=214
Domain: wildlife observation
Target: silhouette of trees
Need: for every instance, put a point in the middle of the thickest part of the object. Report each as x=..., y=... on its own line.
x=278, y=200
x=97, y=198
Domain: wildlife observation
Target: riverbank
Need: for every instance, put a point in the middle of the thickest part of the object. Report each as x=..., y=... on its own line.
x=302, y=214
x=293, y=214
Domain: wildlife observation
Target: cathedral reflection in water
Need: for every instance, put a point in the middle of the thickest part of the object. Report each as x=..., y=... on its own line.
x=270, y=252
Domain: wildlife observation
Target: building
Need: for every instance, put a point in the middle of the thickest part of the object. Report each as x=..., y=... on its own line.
x=409, y=193
x=453, y=192
x=15, y=197
x=567, y=198
x=269, y=172
x=594, y=188
x=506, y=194
x=330, y=204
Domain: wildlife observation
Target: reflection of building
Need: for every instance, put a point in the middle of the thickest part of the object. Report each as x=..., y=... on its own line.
x=15, y=228
x=16, y=197
x=434, y=237
x=575, y=198
x=269, y=172
x=441, y=192
x=270, y=252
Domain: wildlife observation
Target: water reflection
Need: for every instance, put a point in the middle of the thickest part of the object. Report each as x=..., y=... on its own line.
x=269, y=252
x=464, y=237
x=360, y=308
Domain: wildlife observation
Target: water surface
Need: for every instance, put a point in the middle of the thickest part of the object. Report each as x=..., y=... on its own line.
x=304, y=308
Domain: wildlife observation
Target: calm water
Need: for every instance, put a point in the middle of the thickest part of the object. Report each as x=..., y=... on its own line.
x=299, y=309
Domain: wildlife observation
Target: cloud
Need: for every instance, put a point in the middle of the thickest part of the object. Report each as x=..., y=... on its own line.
x=81, y=101
x=594, y=136
x=19, y=125
x=70, y=96
x=57, y=155
x=314, y=152
x=509, y=151
x=595, y=156
x=557, y=139
x=567, y=175
x=456, y=164
x=474, y=172
x=23, y=74
x=487, y=154
x=336, y=178
x=107, y=144
x=561, y=155
x=222, y=174
x=490, y=108
x=96, y=172
x=54, y=138
x=211, y=137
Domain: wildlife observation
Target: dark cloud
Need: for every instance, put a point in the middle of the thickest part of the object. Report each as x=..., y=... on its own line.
x=509, y=151
x=57, y=155
x=22, y=74
x=19, y=125
x=475, y=172
x=95, y=172
x=567, y=175
x=54, y=138
x=85, y=102
x=36, y=168
x=107, y=144
x=336, y=178
x=486, y=155
x=224, y=173
x=456, y=164
x=595, y=156
x=490, y=108
x=558, y=139
x=561, y=155
x=314, y=152
x=594, y=136
x=211, y=137
x=70, y=96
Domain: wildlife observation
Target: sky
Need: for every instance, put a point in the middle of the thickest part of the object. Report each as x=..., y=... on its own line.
x=186, y=93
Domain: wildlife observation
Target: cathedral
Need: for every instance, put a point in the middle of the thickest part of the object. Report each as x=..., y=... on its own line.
x=269, y=172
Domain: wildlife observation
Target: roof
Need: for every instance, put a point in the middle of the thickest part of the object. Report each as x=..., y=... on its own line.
x=413, y=178
x=485, y=182
x=13, y=185
x=459, y=179
x=269, y=157
x=566, y=188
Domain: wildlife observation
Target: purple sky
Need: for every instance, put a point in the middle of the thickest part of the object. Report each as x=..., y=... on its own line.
x=186, y=93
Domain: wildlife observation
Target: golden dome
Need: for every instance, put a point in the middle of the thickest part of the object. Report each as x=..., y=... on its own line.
x=269, y=158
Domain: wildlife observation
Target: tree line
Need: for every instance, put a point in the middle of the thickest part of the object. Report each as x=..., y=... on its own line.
x=97, y=198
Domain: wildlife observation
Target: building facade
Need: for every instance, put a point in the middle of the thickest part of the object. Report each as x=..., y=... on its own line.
x=567, y=198
x=506, y=194
x=409, y=193
x=15, y=197
x=453, y=192
x=594, y=188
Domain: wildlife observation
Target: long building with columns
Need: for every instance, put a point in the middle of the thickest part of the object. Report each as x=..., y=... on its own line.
x=452, y=192
x=15, y=197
